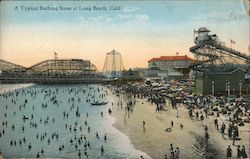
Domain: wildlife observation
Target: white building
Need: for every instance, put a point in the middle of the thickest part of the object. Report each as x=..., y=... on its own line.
x=167, y=66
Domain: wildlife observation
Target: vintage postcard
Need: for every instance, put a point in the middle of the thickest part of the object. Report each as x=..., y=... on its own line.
x=128, y=79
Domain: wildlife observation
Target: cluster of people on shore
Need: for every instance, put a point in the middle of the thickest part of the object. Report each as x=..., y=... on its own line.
x=174, y=153
x=199, y=106
x=241, y=152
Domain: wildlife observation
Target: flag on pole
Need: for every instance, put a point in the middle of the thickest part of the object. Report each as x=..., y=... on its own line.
x=232, y=42
x=55, y=54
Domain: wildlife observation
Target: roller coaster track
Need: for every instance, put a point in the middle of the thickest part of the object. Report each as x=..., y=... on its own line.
x=8, y=66
x=213, y=53
x=233, y=52
x=50, y=72
x=195, y=49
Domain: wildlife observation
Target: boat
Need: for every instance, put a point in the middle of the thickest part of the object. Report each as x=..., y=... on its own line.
x=99, y=103
x=25, y=118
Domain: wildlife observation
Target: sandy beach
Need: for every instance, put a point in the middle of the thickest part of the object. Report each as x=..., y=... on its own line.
x=155, y=141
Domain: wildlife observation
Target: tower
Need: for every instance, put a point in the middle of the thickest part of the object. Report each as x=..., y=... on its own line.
x=113, y=65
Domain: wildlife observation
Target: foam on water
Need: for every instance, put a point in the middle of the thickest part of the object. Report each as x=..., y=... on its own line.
x=117, y=146
x=4, y=88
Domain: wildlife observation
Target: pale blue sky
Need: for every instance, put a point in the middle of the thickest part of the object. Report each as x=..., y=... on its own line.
x=164, y=12
x=145, y=28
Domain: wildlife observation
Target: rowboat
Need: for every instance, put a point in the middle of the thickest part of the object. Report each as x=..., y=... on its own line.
x=99, y=103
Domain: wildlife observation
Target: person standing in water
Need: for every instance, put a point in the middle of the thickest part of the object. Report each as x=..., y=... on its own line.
x=102, y=150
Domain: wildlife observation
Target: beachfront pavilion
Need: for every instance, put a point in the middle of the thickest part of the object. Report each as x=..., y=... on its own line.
x=222, y=83
x=168, y=67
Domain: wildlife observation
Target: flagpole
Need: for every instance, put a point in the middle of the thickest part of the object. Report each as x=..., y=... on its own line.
x=55, y=55
x=249, y=49
x=231, y=44
x=176, y=54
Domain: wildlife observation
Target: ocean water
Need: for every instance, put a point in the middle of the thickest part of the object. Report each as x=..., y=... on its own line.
x=45, y=109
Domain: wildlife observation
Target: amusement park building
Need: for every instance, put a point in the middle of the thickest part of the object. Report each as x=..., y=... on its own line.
x=166, y=67
x=222, y=83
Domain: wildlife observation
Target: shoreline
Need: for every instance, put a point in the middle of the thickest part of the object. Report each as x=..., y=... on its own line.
x=155, y=141
x=17, y=87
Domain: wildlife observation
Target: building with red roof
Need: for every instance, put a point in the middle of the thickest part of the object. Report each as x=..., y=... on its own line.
x=171, y=58
x=168, y=66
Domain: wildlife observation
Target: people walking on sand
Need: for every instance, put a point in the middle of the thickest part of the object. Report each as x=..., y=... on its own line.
x=229, y=131
x=234, y=136
x=177, y=153
x=197, y=115
x=202, y=118
x=172, y=123
x=216, y=123
x=172, y=155
x=206, y=128
x=223, y=127
x=229, y=152
x=238, y=152
x=206, y=111
x=144, y=126
x=165, y=157
x=243, y=152
x=206, y=136
x=217, y=114
x=143, y=123
x=177, y=113
x=190, y=113
x=181, y=126
x=171, y=147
